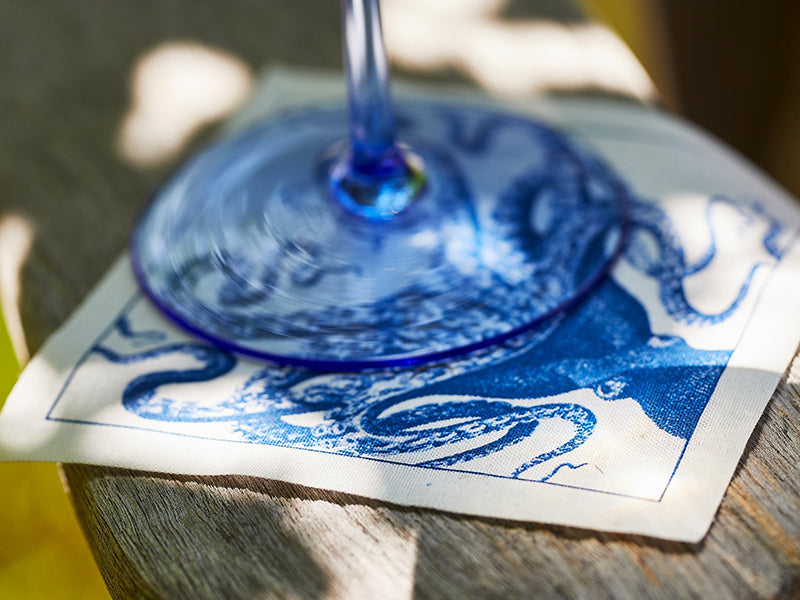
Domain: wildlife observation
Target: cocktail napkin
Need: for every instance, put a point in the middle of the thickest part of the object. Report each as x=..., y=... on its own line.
x=629, y=414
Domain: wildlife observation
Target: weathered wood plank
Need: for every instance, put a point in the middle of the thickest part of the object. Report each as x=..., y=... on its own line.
x=63, y=95
x=172, y=534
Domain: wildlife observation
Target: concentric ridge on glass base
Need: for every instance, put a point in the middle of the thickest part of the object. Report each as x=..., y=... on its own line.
x=246, y=247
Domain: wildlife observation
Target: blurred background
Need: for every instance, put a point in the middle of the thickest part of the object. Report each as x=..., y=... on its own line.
x=731, y=66
x=98, y=100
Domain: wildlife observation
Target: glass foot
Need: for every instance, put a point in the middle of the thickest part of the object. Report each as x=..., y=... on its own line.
x=249, y=246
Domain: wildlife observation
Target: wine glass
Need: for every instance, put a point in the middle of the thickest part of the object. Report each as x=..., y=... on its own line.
x=357, y=236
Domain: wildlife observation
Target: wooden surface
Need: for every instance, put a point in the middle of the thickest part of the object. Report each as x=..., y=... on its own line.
x=63, y=94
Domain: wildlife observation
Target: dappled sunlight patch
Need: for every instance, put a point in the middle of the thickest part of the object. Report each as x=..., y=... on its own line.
x=16, y=239
x=515, y=58
x=177, y=88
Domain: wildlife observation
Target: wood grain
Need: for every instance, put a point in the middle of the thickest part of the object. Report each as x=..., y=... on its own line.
x=63, y=94
x=165, y=537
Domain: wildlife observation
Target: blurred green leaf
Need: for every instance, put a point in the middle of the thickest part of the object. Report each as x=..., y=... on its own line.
x=9, y=369
x=43, y=553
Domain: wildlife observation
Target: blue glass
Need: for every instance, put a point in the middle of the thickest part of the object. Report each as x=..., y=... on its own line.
x=414, y=234
x=374, y=178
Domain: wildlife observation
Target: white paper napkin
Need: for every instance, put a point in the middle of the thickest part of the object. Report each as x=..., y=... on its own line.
x=628, y=415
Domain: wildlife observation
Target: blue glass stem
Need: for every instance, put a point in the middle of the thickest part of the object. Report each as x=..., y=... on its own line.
x=367, y=71
x=376, y=178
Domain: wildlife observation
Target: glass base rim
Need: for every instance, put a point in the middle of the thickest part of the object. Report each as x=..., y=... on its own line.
x=383, y=363
x=576, y=296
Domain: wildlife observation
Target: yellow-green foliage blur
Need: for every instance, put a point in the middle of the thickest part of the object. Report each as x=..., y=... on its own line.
x=42, y=551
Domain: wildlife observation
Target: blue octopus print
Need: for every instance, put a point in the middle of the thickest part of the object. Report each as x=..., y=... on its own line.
x=462, y=413
x=540, y=229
